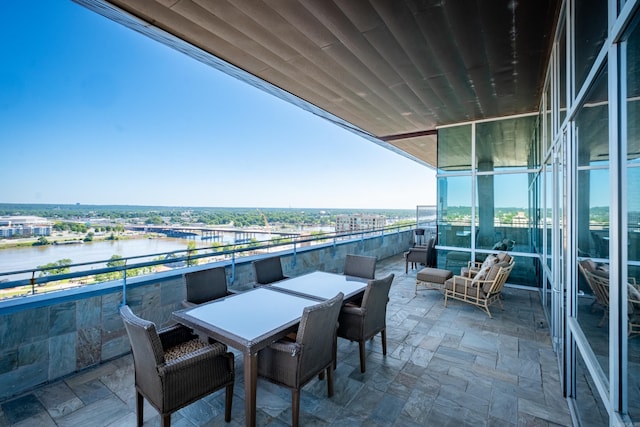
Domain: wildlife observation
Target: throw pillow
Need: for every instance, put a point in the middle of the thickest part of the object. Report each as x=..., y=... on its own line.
x=491, y=276
x=489, y=261
x=480, y=275
x=503, y=257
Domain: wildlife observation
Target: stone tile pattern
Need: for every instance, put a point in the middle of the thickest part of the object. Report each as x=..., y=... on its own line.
x=44, y=344
x=444, y=367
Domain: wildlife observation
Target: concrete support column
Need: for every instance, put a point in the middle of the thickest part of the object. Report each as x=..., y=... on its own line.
x=486, y=208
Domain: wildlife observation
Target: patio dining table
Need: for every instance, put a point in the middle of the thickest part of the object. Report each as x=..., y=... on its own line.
x=322, y=286
x=252, y=320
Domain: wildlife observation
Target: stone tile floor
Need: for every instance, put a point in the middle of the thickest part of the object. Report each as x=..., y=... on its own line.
x=444, y=367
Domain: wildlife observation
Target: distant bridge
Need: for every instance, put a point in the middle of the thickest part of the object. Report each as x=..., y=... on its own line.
x=209, y=233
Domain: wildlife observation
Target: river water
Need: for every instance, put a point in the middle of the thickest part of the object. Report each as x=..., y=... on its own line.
x=26, y=258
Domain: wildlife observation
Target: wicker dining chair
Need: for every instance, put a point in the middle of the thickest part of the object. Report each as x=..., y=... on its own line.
x=360, y=266
x=173, y=368
x=421, y=255
x=205, y=285
x=292, y=364
x=362, y=322
x=268, y=270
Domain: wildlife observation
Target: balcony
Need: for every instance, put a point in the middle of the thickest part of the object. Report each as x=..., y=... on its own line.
x=445, y=366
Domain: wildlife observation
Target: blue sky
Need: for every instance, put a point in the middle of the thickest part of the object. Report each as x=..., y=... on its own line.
x=92, y=112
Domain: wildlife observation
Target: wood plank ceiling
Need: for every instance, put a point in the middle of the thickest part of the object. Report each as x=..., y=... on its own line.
x=393, y=69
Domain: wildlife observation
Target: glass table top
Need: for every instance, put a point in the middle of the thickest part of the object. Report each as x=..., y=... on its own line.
x=323, y=285
x=252, y=314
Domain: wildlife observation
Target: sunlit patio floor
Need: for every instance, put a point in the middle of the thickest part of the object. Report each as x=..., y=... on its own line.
x=449, y=366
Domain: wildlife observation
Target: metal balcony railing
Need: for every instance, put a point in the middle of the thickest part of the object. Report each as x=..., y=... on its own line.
x=25, y=283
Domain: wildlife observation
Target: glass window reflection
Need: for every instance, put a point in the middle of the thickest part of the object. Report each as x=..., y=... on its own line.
x=562, y=77
x=548, y=135
x=454, y=149
x=590, y=34
x=633, y=220
x=503, y=214
x=548, y=216
x=454, y=211
x=593, y=220
x=504, y=144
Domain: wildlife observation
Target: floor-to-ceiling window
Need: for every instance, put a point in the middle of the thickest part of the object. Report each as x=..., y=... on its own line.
x=632, y=61
x=502, y=150
x=455, y=199
x=577, y=164
x=592, y=216
x=484, y=177
x=548, y=210
x=592, y=237
x=596, y=64
x=580, y=188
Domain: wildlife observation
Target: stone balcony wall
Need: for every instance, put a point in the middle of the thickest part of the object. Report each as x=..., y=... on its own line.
x=46, y=337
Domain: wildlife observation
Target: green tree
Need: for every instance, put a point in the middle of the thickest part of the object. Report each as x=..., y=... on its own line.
x=116, y=261
x=42, y=241
x=58, y=267
x=191, y=250
x=155, y=220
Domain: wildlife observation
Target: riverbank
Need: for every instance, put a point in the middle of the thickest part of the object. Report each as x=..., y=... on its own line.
x=70, y=238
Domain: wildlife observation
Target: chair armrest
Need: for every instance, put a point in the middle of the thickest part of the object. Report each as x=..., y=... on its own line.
x=174, y=335
x=350, y=309
x=425, y=250
x=289, y=347
x=417, y=255
x=351, y=318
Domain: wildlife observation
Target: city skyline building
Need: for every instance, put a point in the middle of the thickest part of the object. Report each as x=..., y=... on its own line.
x=24, y=226
x=359, y=222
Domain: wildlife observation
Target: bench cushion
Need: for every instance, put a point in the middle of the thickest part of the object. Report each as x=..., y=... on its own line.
x=433, y=275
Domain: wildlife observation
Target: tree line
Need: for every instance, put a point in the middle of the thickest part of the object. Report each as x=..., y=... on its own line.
x=66, y=215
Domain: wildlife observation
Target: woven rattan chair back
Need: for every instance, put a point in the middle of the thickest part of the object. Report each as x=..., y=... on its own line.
x=360, y=266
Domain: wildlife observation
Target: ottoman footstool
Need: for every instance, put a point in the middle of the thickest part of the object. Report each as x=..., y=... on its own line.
x=432, y=278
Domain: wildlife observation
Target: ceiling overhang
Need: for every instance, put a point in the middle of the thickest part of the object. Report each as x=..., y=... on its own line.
x=391, y=71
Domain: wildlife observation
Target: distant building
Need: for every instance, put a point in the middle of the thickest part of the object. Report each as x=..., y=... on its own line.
x=634, y=220
x=520, y=220
x=359, y=222
x=24, y=226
